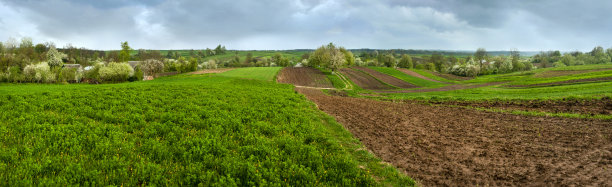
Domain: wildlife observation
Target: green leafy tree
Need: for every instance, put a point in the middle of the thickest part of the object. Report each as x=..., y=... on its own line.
x=348, y=55
x=249, y=58
x=389, y=60
x=515, y=56
x=480, y=55
x=405, y=62
x=124, y=55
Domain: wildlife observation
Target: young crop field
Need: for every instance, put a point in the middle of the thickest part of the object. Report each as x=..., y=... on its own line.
x=257, y=73
x=418, y=81
x=179, y=130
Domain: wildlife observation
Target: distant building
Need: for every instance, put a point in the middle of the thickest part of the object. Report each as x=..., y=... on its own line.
x=133, y=63
x=75, y=66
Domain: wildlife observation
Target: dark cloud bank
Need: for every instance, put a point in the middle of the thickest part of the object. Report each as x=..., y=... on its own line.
x=297, y=24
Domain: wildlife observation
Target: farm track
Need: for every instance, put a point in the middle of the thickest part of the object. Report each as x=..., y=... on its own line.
x=386, y=78
x=445, y=88
x=415, y=74
x=459, y=146
x=363, y=80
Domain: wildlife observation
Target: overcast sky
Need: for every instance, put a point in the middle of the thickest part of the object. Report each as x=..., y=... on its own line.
x=529, y=25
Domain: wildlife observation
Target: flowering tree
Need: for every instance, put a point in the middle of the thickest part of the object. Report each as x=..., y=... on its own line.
x=151, y=66
x=54, y=57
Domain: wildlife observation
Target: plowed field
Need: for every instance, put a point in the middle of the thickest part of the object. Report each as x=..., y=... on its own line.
x=304, y=76
x=465, y=147
x=363, y=80
x=387, y=78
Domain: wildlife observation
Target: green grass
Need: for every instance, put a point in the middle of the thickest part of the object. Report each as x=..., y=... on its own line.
x=334, y=79
x=258, y=73
x=588, y=90
x=405, y=77
x=535, y=80
x=428, y=74
x=180, y=130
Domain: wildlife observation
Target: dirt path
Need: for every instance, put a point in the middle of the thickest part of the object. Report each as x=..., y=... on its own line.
x=415, y=74
x=445, y=88
x=465, y=147
x=386, y=78
x=304, y=76
x=205, y=71
x=363, y=80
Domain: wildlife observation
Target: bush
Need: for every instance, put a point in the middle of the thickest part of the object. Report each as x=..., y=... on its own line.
x=116, y=72
x=431, y=66
x=151, y=67
x=138, y=75
x=469, y=69
x=94, y=73
x=505, y=66
x=559, y=64
x=519, y=66
x=14, y=74
x=528, y=66
x=39, y=73
x=211, y=64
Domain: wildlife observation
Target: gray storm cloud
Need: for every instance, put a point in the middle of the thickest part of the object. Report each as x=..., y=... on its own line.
x=298, y=24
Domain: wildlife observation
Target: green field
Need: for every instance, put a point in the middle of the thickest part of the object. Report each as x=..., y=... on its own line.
x=180, y=130
x=402, y=76
x=257, y=73
x=501, y=92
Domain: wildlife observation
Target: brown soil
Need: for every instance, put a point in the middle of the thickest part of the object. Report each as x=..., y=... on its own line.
x=304, y=76
x=387, y=78
x=563, y=82
x=590, y=107
x=363, y=80
x=205, y=71
x=445, y=88
x=548, y=74
x=443, y=146
x=415, y=74
x=451, y=76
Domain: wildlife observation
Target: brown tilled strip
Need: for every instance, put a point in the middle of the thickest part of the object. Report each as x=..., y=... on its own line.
x=443, y=146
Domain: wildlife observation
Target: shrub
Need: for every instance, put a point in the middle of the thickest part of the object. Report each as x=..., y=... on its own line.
x=419, y=66
x=469, y=69
x=116, y=72
x=94, y=73
x=14, y=74
x=211, y=64
x=151, y=67
x=431, y=66
x=505, y=66
x=39, y=73
x=559, y=64
x=528, y=66
x=519, y=66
